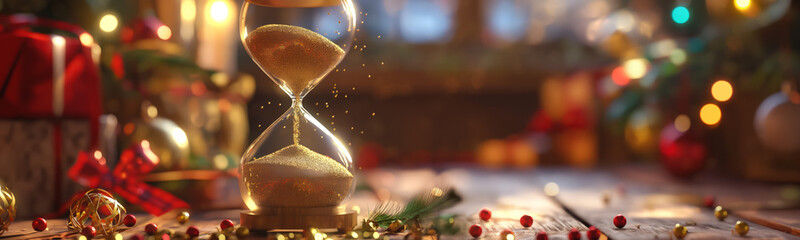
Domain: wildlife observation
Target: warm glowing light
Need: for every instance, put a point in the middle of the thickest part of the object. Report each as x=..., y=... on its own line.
x=218, y=11
x=152, y=111
x=682, y=123
x=510, y=237
x=742, y=5
x=109, y=23
x=722, y=90
x=677, y=56
x=710, y=114
x=220, y=162
x=86, y=39
x=635, y=68
x=680, y=14
x=163, y=32
x=551, y=189
x=619, y=77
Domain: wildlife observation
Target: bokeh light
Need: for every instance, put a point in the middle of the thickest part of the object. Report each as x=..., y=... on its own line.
x=86, y=39
x=109, y=23
x=710, y=114
x=163, y=32
x=677, y=57
x=619, y=77
x=742, y=5
x=551, y=189
x=218, y=11
x=680, y=14
x=722, y=90
x=636, y=68
x=682, y=123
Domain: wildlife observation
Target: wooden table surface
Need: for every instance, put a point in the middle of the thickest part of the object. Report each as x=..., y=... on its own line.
x=652, y=202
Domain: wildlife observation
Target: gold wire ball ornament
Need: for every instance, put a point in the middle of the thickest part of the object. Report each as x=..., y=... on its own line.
x=8, y=208
x=97, y=208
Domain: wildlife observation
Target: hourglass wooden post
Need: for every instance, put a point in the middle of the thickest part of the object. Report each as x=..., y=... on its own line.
x=296, y=173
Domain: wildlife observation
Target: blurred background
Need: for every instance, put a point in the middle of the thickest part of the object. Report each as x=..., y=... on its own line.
x=689, y=86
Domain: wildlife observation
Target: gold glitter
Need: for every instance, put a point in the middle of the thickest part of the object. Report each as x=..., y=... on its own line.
x=294, y=56
x=296, y=176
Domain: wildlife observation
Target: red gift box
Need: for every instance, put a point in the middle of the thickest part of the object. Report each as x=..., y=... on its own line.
x=50, y=105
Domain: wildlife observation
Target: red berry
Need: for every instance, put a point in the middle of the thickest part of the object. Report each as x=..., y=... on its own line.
x=708, y=200
x=574, y=234
x=89, y=232
x=225, y=224
x=526, y=221
x=151, y=228
x=485, y=214
x=39, y=224
x=129, y=220
x=136, y=237
x=193, y=231
x=620, y=221
x=475, y=230
x=593, y=233
x=542, y=235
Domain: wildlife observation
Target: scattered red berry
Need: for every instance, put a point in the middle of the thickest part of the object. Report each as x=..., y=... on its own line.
x=475, y=230
x=485, y=214
x=574, y=234
x=593, y=233
x=89, y=232
x=129, y=220
x=708, y=200
x=193, y=231
x=136, y=237
x=526, y=221
x=620, y=221
x=225, y=224
x=39, y=224
x=542, y=235
x=151, y=229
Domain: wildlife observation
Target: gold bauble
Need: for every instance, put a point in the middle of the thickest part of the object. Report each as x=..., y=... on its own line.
x=8, y=208
x=182, y=217
x=507, y=235
x=679, y=231
x=396, y=227
x=741, y=228
x=720, y=213
x=242, y=232
x=97, y=208
x=167, y=140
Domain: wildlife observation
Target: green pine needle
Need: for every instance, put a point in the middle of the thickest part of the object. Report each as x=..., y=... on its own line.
x=421, y=205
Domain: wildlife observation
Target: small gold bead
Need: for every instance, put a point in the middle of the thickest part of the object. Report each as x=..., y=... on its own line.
x=720, y=213
x=741, y=228
x=242, y=232
x=183, y=217
x=679, y=231
x=396, y=227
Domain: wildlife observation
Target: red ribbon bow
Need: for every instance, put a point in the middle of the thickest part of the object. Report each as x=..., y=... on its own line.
x=91, y=170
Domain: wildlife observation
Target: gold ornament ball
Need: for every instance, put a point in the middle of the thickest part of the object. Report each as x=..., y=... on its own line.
x=507, y=235
x=351, y=235
x=183, y=217
x=216, y=236
x=679, y=231
x=396, y=227
x=8, y=208
x=97, y=208
x=242, y=232
x=741, y=228
x=720, y=213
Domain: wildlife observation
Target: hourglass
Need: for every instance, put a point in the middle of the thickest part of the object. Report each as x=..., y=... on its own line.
x=296, y=173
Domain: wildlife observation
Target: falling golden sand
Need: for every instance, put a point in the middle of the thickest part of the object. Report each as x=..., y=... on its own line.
x=296, y=176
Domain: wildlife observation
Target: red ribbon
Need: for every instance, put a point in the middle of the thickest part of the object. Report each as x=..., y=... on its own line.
x=91, y=170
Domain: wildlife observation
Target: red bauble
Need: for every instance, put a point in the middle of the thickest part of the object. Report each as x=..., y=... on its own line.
x=708, y=200
x=475, y=230
x=129, y=220
x=151, y=228
x=620, y=221
x=485, y=214
x=526, y=221
x=574, y=234
x=39, y=224
x=681, y=154
x=593, y=233
x=225, y=224
x=542, y=235
x=193, y=231
x=89, y=232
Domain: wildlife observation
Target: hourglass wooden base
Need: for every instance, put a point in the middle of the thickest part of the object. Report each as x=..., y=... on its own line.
x=299, y=218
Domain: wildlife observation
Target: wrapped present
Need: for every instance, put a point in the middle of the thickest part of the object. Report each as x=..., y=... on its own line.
x=50, y=98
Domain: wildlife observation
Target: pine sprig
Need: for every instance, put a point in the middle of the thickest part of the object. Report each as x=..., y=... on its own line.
x=421, y=205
